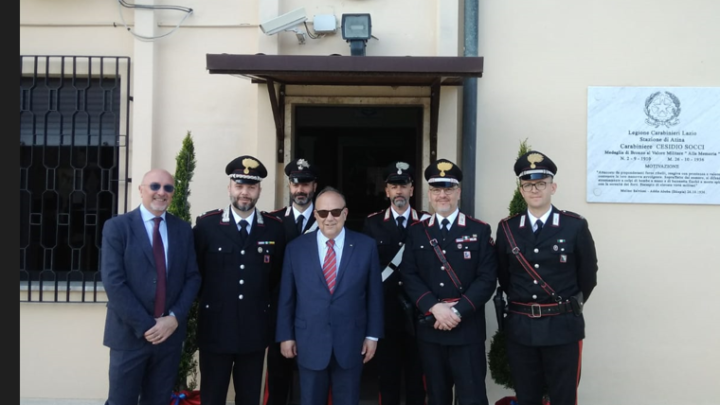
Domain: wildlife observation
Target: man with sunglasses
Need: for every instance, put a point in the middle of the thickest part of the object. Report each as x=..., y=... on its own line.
x=239, y=251
x=397, y=354
x=547, y=268
x=330, y=312
x=297, y=218
x=151, y=278
x=449, y=271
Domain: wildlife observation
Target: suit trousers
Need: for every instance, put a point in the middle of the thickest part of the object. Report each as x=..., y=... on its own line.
x=532, y=366
x=344, y=384
x=246, y=370
x=279, y=376
x=149, y=372
x=398, y=356
x=461, y=366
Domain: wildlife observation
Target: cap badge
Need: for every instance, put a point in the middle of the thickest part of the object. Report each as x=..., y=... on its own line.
x=443, y=167
x=250, y=164
x=302, y=164
x=534, y=158
x=401, y=166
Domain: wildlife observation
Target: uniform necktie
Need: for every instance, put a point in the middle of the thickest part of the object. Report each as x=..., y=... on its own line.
x=159, y=254
x=443, y=228
x=400, y=223
x=300, y=220
x=539, y=225
x=329, y=265
x=243, y=231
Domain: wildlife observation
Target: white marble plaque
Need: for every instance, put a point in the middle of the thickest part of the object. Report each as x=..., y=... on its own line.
x=654, y=145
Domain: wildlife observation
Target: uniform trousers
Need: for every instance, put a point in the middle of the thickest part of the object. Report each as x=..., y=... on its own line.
x=149, y=371
x=463, y=366
x=246, y=370
x=398, y=356
x=280, y=376
x=535, y=367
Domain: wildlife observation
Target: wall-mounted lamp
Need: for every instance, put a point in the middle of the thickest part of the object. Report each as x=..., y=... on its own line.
x=356, y=30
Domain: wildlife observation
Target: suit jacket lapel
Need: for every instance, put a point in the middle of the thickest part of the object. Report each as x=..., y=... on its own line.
x=455, y=231
x=551, y=227
x=138, y=228
x=347, y=252
x=230, y=228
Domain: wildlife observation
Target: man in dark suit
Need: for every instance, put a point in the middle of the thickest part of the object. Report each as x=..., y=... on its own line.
x=547, y=275
x=397, y=353
x=297, y=219
x=151, y=278
x=330, y=313
x=240, y=251
x=449, y=274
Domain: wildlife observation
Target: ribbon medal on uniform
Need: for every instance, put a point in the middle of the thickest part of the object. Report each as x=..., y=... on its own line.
x=563, y=258
x=466, y=254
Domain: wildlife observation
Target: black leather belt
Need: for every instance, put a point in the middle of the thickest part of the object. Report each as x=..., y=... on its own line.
x=535, y=310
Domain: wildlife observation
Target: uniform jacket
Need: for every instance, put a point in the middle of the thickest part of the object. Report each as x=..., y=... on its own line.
x=322, y=323
x=469, y=251
x=564, y=256
x=129, y=277
x=235, y=300
x=287, y=216
x=382, y=227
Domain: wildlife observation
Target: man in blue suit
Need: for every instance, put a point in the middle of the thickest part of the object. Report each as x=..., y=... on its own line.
x=147, y=315
x=330, y=311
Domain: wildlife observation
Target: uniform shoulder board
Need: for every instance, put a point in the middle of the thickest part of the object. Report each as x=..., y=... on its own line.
x=572, y=214
x=475, y=219
x=510, y=217
x=270, y=215
x=277, y=211
x=372, y=214
x=211, y=212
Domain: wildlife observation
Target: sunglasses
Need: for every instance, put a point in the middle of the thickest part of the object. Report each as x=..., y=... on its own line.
x=169, y=188
x=336, y=212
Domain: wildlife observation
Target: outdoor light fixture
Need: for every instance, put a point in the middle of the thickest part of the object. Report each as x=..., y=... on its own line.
x=356, y=30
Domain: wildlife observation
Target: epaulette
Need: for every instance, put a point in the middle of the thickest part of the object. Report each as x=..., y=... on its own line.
x=475, y=219
x=571, y=214
x=511, y=217
x=277, y=210
x=211, y=212
x=375, y=213
x=270, y=216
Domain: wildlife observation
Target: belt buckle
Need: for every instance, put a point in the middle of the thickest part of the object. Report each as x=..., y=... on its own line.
x=533, y=313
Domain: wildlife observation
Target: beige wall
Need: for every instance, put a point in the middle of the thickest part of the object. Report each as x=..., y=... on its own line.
x=650, y=335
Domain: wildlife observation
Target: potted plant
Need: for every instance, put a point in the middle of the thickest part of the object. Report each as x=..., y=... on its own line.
x=497, y=356
x=184, y=391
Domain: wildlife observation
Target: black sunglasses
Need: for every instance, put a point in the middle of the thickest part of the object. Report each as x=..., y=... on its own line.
x=169, y=188
x=336, y=212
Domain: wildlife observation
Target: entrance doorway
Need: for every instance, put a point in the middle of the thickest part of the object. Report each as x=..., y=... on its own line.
x=351, y=146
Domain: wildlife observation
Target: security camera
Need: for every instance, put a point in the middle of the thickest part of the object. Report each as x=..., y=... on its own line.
x=284, y=22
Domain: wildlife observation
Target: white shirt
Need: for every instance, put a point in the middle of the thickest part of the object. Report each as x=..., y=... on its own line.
x=306, y=214
x=147, y=218
x=450, y=218
x=405, y=214
x=543, y=218
x=248, y=219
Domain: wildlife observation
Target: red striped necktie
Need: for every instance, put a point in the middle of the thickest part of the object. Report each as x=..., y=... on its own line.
x=330, y=265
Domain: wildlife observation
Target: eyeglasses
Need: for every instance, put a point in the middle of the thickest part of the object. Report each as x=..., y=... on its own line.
x=540, y=186
x=446, y=191
x=169, y=188
x=336, y=212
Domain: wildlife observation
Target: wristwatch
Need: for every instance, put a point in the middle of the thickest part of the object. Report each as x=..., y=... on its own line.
x=456, y=312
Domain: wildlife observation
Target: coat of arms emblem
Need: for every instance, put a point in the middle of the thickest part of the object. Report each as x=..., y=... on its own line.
x=662, y=108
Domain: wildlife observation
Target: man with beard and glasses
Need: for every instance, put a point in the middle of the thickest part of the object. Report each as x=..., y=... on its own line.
x=449, y=271
x=397, y=352
x=239, y=251
x=297, y=219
